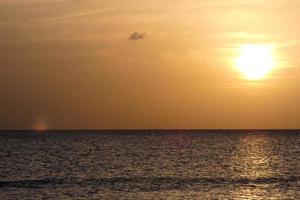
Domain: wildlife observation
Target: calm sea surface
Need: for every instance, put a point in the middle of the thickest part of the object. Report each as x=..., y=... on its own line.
x=150, y=165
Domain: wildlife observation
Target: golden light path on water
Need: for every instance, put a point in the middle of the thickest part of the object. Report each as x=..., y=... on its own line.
x=256, y=161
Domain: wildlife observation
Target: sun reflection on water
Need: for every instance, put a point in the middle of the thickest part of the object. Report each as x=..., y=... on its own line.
x=254, y=157
x=256, y=162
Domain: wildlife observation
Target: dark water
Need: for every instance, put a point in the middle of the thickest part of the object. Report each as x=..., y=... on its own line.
x=150, y=165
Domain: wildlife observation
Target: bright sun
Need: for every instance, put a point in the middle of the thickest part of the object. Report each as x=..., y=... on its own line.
x=255, y=62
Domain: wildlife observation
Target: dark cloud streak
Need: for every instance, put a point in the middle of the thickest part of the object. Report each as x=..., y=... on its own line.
x=137, y=36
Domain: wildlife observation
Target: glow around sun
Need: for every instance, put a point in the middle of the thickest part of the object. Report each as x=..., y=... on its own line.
x=255, y=62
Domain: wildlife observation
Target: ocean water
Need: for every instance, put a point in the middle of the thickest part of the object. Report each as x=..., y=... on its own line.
x=150, y=165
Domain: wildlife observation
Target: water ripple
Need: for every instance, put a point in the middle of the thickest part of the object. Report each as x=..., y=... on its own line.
x=147, y=183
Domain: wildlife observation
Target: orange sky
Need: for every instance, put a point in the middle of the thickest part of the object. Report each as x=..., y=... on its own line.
x=90, y=64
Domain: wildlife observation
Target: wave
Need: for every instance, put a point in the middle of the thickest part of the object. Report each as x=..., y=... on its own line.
x=148, y=183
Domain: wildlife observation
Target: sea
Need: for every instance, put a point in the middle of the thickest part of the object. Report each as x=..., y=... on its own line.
x=150, y=164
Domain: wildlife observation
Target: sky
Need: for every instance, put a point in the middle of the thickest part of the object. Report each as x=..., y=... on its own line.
x=160, y=64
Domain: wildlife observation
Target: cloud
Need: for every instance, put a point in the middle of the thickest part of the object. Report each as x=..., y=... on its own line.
x=137, y=36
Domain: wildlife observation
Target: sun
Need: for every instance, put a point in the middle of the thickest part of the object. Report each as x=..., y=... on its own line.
x=255, y=62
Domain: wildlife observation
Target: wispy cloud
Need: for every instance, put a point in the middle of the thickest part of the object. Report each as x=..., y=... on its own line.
x=85, y=14
x=137, y=36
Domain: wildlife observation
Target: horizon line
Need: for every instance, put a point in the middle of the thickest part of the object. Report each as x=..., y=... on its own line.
x=153, y=129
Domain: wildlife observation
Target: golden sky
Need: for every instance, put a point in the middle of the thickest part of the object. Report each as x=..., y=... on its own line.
x=90, y=64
